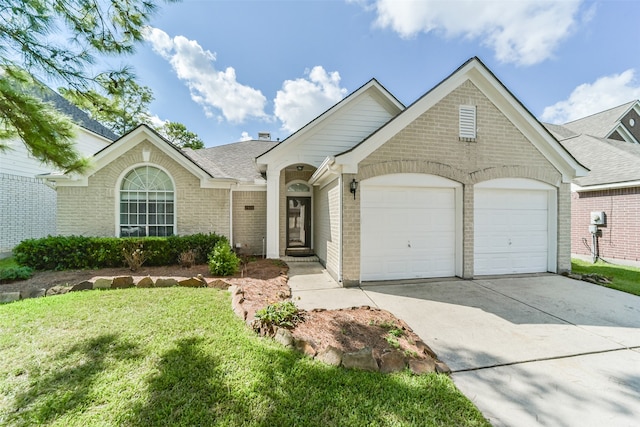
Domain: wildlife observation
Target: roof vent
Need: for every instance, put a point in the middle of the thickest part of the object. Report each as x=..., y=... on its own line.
x=264, y=136
x=467, y=123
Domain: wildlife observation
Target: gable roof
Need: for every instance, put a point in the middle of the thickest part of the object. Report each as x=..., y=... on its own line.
x=602, y=124
x=475, y=71
x=610, y=161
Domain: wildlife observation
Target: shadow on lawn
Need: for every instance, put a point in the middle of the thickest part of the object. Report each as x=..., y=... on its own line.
x=66, y=389
x=283, y=388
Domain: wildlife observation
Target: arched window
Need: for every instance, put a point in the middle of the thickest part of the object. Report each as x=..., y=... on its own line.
x=146, y=203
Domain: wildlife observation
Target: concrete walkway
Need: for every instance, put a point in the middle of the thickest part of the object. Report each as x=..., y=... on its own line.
x=536, y=350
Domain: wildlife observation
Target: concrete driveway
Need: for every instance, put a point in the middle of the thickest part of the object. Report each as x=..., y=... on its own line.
x=535, y=350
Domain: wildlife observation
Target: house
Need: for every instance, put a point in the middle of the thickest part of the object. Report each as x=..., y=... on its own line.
x=463, y=182
x=608, y=143
x=27, y=203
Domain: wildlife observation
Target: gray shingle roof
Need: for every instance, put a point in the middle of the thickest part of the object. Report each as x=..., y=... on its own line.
x=610, y=161
x=599, y=124
x=234, y=160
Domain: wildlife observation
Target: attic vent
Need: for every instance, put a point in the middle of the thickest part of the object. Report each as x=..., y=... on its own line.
x=264, y=136
x=467, y=123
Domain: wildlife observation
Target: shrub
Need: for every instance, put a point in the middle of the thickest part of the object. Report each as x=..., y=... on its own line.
x=15, y=273
x=187, y=259
x=282, y=314
x=222, y=260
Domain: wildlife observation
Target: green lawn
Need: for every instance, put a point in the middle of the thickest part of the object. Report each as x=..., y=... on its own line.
x=8, y=263
x=626, y=279
x=179, y=356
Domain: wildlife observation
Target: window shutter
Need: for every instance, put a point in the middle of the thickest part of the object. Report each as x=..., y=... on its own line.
x=467, y=122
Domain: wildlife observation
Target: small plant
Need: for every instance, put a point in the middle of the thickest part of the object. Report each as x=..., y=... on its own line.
x=15, y=273
x=187, y=259
x=393, y=341
x=222, y=260
x=134, y=255
x=396, y=332
x=280, y=314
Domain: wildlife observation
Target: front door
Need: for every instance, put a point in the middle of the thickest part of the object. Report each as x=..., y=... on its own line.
x=298, y=222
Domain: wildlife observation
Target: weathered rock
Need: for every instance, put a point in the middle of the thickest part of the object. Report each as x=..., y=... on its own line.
x=145, y=282
x=58, y=290
x=219, y=284
x=166, y=283
x=9, y=297
x=122, y=282
x=32, y=293
x=426, y=349
x=284, y=337
x=362, y=359
x=305, y=347
x=102, y=283
x=82, y=286
x=442, y=368
x=574, y=276
x=392, y=361
x=330, y=356
x=422, y=366
x=192, y=282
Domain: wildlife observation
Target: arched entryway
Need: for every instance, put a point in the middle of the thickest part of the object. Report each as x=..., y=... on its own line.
x=298, y=224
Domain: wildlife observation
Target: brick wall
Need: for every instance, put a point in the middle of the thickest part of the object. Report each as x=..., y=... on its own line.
x=619, y=238
x=91, y=210
x=250, y=221
x=27, y=210
x=430, y=145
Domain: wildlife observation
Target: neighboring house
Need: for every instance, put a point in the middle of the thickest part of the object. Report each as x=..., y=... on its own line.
x=463, y=182
x=27, y=203
x=608, y=144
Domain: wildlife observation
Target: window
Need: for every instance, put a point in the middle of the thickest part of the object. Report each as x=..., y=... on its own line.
x=467, y=122
x=298, y=187
x=146, y=203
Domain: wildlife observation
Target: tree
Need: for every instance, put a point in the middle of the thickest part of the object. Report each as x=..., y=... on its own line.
x=122, y=110
x=27, y=49
x=179, y=135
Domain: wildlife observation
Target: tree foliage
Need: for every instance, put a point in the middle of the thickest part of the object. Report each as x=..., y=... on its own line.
x=32, y=43
x=179, y=135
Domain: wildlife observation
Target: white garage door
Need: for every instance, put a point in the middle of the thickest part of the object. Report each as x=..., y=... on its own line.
x=511, y=231
x=407, y=232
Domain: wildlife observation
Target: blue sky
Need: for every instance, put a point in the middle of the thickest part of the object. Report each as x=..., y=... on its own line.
x=230, y=69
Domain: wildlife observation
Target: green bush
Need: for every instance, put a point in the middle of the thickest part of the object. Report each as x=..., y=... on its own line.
x=222, y=260
x=15, y=273
x=80, y=252
x=284, y=314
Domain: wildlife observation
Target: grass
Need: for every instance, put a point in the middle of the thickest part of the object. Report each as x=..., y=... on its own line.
x=623, y=278
x=8, y=263
x=179, y=356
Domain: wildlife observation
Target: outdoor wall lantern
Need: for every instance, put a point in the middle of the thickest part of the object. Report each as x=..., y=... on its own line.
x=299, y=167
x=353, y=187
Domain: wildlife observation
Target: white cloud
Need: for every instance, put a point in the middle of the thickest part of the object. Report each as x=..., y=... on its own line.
x=303, y=99
x=590, y=98
x=523, y=32
x=245, y=136
x=212, y=89
x=156, y=121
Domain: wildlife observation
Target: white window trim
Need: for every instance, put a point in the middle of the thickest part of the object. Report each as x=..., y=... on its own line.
x=118, y=188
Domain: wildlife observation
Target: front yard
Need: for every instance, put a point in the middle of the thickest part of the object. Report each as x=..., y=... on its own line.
x=623, y=278
x=180, y=356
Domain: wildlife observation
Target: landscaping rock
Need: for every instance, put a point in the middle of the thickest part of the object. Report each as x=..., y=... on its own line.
x=284, y=337
x=166, y=283
x=122, y=282
x=392, y=361
x=426, y=349
x=219, y=284
x=102, y=283
x=145, y=282
x=33, y=293
x=9, y=297
x=58, y=290
x=362, y=359
x=331, y=356
x=192, y=283
x=82, y=286
x=421, y=367
x=305, y=347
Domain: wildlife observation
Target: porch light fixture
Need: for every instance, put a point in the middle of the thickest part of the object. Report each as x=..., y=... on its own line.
x=299, y=167
x=353, y=187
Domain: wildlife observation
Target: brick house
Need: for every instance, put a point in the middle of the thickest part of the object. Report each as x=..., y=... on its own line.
x=608, y=143
x=27, y=203
x=463, y=182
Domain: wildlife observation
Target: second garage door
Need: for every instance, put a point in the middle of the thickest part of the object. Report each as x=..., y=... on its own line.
x=512, y=229
x=407, y=231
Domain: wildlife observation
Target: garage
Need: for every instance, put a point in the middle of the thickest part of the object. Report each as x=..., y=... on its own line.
x=409, y=227
x=514, y=227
